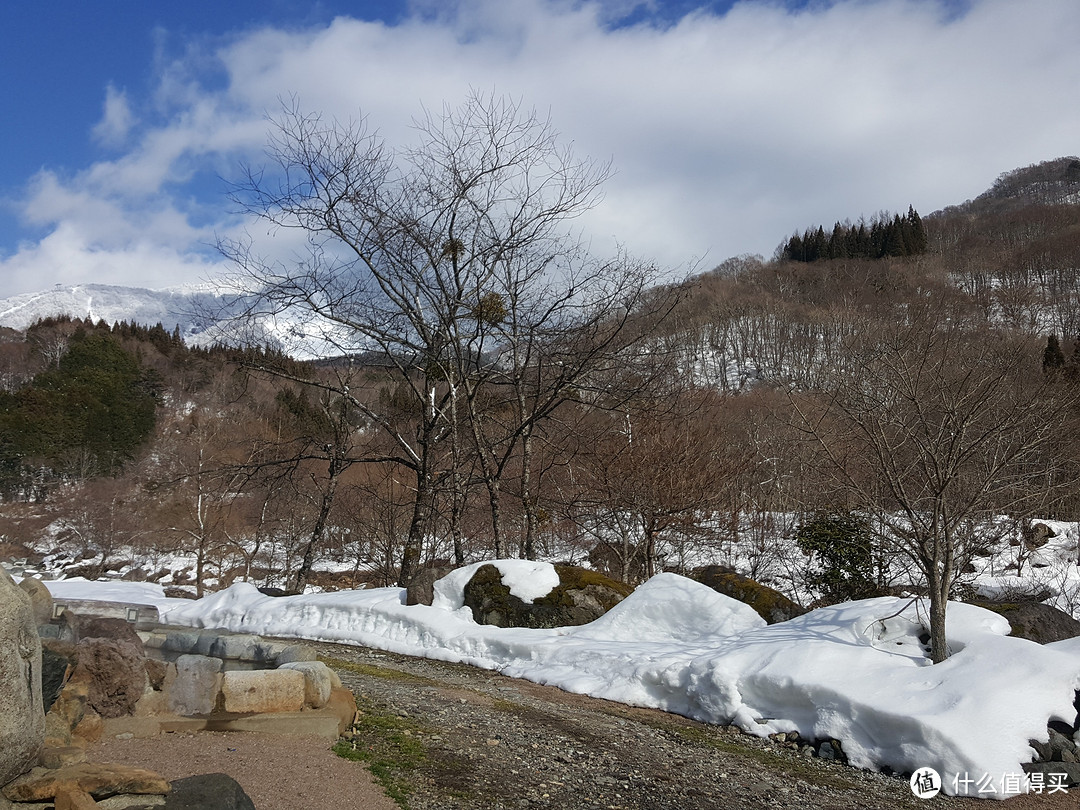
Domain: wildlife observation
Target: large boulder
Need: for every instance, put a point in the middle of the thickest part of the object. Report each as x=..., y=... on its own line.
x=40, y=598
x=580, y=597
x=114, y=672
x=421, y=590
x=22, y=718
x=214, y=791
x=770, y=604
x=1036, y=621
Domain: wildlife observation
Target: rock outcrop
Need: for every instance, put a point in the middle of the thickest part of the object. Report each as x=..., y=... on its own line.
x=580, y=597
x=770, y=604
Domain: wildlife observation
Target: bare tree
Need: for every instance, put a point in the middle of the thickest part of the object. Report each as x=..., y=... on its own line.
x=420, y=259
x=938, y=425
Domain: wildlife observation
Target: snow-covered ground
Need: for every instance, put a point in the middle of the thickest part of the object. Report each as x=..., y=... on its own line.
x=855, y=672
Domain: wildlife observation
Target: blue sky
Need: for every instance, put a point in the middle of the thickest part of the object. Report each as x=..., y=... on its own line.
x=729, y=124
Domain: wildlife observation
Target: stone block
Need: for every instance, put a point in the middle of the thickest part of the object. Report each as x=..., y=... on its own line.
x=97, y=779
x=318, y=681
x=181, y=641
x=196, y=686
x=268, y=690
x=293, y=653
x=234, y=646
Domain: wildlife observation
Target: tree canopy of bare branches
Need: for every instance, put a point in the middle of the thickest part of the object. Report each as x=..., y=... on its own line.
x=939, y=424
x=456, y=266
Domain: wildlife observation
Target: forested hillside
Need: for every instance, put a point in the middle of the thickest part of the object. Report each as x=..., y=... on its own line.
x=704, y=422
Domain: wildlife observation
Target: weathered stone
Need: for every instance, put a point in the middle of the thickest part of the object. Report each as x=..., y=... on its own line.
x=74, y=799
x=110, y=628
x=22, y=720
x=293, y=653
x=1036, y=621
x=421, y=590
x=213, y=791
x=318, y=681
x=580, y=597
x=1060, y=746
x=266, y=690
x=59, y=756
x=114, y=672
x=343, y=704
x=89, y=728
x=98, y=779
x=58, y=659
x=68, y=710
x=152, y=703
x=196, y=685
x=230, y=646
x=181, y=641
x=770, y=604
x=40, y=599
x=155, y=673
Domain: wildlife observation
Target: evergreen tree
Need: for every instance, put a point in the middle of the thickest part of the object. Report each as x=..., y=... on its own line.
x=1053, y=356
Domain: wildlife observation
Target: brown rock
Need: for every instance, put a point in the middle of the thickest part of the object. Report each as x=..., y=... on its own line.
x=110, y=628
x=89, y=728
x=75, y=800
x=155, y=673
x=98, y=779
x=343, y=703
x=58, y=756
x=70, y=706
x=114, y=672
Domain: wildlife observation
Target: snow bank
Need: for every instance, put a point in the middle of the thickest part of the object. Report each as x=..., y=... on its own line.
x=856, y=672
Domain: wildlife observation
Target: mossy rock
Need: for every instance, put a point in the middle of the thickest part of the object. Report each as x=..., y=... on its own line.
x=580, y=597
x=1035, y=621
x=770, y=604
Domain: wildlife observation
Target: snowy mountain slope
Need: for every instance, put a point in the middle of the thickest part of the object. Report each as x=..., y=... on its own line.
x=172, y=307
x=201, y=312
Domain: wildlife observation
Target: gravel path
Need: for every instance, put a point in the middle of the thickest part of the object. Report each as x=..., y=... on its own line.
x=494, y=742
x=443, y=736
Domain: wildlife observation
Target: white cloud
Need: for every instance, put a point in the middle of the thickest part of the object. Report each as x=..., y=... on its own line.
x=727, y=132
x=117, y=118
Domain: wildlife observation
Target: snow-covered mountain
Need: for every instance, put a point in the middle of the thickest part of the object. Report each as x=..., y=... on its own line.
x=202, y=312
x=189, y=307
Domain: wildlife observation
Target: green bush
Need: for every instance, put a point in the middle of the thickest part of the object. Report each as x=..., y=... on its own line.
x=841, y=556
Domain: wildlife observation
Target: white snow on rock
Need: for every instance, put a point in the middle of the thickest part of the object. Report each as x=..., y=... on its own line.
x=527, y=580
